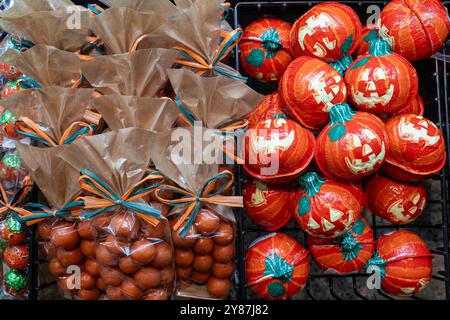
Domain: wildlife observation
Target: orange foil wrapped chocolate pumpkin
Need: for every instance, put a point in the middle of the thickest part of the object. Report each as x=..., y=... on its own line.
x=414, y=106
x=278, y=149
x=265, y=50
x=398, y=202
x=310, y=87
x=346, y=254
x=417, y=148
x=267, y=205
x=415, y=29
x=352, y=146
x=325, y=208
x=363, y=46
x=403, y=261
x=277, y=266
x=327, y=31
x=381, y=82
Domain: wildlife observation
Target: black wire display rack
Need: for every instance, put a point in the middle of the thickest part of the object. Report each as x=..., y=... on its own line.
x=432, y=226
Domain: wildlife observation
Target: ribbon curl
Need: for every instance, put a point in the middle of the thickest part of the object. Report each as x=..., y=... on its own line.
x=39, y=212
x=194, y=60
x=27, y=127
x=15, y=204
x=193, y=201
x=106, y=199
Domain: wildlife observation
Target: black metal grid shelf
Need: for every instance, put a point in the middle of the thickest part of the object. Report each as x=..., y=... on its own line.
x=433, y=225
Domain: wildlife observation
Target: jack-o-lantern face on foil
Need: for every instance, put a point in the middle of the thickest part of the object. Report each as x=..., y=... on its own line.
x=327, y=32
x=415, y=29
x=352, y=146
x=397, y=202
x=417, y=147
x=267, y=205
x=346, y=254
x=277, y=149
x=277, y=266
x=266, y=109
x=403, y=261
x=381, y=82
x=325, y=208
x=310, y=87
x=265, y=50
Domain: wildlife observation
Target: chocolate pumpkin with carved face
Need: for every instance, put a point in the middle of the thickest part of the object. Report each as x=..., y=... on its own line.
x=381, y=82
x=326, y=208
x=310, y=87
x=277, y=266
x=265, y=50
x=352, y=146
x=403, y=261
x=348, y=253
x=417, y=148
x=277, y=149
x=398, y=202
x=415, y=29
x=327, y=32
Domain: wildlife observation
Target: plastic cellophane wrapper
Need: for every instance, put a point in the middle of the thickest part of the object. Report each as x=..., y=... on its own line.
x=14, y=243
x=119, y=254
x=204, y=243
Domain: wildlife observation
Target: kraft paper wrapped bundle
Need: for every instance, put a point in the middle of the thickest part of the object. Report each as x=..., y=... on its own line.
x=141, y=73
x=154, y=114
x=53, y=115
x=47, y=66
x=201, y=214
x=218, y=102
x=196, y=31
x=128, y=228
x=62, y=25
x=121, y=29
x=215, y=101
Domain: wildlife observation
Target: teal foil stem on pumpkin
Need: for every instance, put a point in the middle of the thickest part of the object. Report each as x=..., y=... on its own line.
x=278, y=268
x=12, y=160
x=349, y=246
x=311, y=183
x=339, y=115
x=377, y=264
x=342, y=64
x=271, y=42
x=7, y=117
x=377, y=46
x=256, y=58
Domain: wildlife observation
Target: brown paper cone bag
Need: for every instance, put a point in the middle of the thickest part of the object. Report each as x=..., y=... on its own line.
x=154, y=114
x=196, y=30
x=119, y=158
x=57, y=180
x=53, y=108
x=142, y=73
x=120, y=28
x=66, y=27
x=48, y=66
x=216, y=100
x=193, y=178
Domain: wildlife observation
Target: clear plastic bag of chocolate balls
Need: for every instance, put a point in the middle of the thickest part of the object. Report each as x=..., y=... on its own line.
x=201, y=219
x=204, y=257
